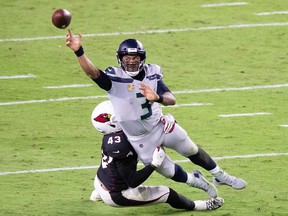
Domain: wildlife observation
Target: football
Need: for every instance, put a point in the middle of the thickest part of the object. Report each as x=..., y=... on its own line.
x=61, y=18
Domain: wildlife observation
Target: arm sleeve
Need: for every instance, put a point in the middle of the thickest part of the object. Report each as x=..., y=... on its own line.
x=162, y=88
x=133, y=178
x=103, y=81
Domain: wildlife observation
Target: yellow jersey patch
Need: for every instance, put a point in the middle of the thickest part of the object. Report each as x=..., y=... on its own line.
x=130, y=87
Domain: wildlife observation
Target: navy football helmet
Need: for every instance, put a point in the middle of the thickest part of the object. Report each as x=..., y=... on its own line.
x=131, y=47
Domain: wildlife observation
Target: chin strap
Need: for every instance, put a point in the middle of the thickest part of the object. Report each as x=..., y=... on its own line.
x=132, y=74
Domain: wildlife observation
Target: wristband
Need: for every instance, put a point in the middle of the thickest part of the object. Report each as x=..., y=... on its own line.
x=79, y=52
x=160, y=100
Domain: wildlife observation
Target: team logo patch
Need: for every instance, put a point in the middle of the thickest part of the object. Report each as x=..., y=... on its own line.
x=130, y=87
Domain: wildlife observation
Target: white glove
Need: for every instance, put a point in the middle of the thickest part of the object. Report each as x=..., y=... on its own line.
x=168, y=122
x=158, y=157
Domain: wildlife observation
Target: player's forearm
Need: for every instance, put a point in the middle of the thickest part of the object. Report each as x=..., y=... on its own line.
x=166, y=99
x=88, y=67
x=137, y=178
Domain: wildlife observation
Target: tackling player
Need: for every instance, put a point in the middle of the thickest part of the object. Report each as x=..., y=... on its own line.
x=136, y=91
x=118, y=183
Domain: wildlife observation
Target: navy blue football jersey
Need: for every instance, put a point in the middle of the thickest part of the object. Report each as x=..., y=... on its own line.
x=118, y=169
x=116, y=153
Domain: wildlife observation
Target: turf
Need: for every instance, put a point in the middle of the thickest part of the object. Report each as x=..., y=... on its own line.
x=55, y=133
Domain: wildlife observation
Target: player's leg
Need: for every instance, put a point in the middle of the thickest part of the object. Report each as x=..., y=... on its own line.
x=144, y=195
x=195, y=179
x=198, y=156
x=212, y=204
x=220, y=177
x=95, y=193
x=103, y=193
x=145, y=146
x=180, y=202
x=95, y=196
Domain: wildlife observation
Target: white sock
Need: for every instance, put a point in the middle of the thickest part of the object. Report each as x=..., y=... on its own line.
x=190, y=179
x=200, y=205
x=216, y=170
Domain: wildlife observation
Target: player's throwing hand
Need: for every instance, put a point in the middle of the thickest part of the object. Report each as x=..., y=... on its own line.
x=72, y=42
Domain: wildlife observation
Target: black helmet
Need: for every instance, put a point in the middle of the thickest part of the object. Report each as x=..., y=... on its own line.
x=131, y=47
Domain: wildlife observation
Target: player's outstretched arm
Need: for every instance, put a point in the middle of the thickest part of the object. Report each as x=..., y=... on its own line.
x=75, y=43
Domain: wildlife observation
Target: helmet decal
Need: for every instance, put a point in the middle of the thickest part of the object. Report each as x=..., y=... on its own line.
x=103, y=118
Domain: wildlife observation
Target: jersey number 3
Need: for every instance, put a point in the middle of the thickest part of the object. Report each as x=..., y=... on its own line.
x=145, y=105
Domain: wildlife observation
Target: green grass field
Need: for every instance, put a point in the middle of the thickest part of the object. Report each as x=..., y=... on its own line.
x=228, y=59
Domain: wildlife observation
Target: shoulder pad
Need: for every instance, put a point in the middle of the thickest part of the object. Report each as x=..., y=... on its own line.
x=116, y=145
x=110, y=70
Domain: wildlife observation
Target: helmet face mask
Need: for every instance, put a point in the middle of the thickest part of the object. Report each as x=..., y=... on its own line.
x=130, y=48
x=103, y=118
x=131, y=64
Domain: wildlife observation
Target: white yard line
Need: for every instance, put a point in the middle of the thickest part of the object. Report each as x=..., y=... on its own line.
x=51, y=100
x=243, y=114
x=68, y=86
x=272, y=13
x=153, y=31
x=175, y=161
x=284, y=125
x=230, y=89
x=18, y=76
x=174, y=92
x=191, y=104
x=225, y=4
